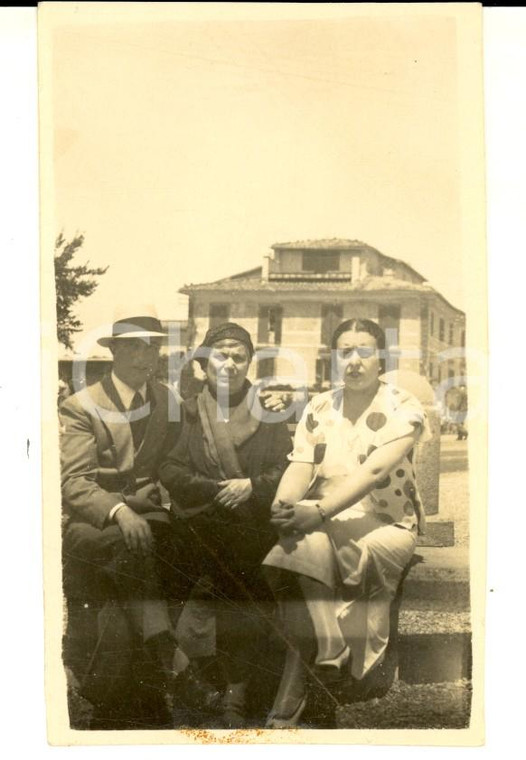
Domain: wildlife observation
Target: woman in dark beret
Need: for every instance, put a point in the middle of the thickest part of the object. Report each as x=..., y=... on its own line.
x=222, y=476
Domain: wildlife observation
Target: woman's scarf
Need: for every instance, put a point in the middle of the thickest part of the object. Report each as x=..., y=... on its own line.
x=221, y=437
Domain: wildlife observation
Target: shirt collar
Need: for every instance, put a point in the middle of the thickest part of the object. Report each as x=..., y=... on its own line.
x=125, y=392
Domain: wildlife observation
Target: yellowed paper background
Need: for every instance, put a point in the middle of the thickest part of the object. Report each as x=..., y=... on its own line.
x=97, y=180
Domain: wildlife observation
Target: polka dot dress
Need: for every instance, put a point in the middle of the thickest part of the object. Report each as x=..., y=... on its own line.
x=337, y=447
x=359, y=547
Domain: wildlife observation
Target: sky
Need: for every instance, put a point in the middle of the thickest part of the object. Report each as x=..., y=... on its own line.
x=183, y=150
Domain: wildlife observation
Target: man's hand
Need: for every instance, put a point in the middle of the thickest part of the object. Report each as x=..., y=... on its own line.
x=151, y=493
x=297, y=518
x=275, y=401
x=234, y=492
x=136, y=532
x=146, y=499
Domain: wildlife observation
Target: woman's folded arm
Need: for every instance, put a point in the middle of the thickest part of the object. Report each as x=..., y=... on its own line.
x=365, y=478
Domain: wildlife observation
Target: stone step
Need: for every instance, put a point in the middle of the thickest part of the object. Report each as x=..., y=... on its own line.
x=438, y=533
x=438, y=579
x=430, y=650
x=426, y=622
x=433, y=646
x=425, y=594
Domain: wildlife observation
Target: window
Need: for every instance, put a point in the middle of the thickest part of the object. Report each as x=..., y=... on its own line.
x=389, y=321
x=218, y=313
x=266, y=367
x=451, y=333
x=269, y=325
x=432, y=323
x=441, y=330
x=431, y=371
x=321, y=261
x=331, y=316
x=463, y=338
x=323, y=373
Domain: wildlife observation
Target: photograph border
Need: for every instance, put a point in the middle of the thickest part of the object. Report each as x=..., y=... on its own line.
x=473, y=272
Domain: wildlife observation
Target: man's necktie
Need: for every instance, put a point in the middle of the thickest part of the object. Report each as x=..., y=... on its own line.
x=138, y=426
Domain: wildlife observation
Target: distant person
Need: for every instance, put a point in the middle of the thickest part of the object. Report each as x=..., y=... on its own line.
x=348, y=513
x=457, y=405
x=114, y=435
x=462, y=412
x=64, y=392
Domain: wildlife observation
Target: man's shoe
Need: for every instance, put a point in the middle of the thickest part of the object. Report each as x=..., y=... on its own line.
x=234, y=705
x=195, y=693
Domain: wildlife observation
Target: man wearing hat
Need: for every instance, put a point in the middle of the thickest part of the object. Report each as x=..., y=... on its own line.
x=222, y=476
x=114, y=435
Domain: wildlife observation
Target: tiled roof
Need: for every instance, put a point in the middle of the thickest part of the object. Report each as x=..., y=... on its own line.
x=256, y=272
x=254, y=284
x=333, y=244
x=251, y=281
x=367, y=285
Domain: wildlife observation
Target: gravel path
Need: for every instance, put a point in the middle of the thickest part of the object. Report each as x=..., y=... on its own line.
x=437, y=705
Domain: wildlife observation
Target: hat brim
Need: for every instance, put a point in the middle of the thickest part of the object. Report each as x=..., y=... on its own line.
x=106, y=341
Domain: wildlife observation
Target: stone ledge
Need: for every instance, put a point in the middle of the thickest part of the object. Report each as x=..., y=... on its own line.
x=438, y=533
x=438, y=579
x=434, y=657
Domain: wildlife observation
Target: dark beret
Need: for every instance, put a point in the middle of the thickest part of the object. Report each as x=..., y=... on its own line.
x=227, y=331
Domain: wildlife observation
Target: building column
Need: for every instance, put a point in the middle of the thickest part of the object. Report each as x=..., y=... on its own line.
x=410, y=338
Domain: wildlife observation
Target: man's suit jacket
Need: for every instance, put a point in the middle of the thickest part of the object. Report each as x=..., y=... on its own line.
x=98, y=461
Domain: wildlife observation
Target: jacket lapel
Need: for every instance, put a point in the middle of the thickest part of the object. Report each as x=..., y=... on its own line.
x=156, y=427
x=116, y=422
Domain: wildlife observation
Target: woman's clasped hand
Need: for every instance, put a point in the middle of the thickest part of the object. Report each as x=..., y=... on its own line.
x=347, y=512
x=295, y=518
x=234, y=492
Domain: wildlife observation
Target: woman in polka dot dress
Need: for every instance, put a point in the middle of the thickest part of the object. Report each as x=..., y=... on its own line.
x=348, y=513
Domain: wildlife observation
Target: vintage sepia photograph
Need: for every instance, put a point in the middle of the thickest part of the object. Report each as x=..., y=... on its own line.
x=264, y=372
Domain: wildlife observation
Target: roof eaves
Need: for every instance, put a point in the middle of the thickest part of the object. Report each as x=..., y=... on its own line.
x=328, y=243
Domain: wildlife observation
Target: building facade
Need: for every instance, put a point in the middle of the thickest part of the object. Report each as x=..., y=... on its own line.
x=303, y=290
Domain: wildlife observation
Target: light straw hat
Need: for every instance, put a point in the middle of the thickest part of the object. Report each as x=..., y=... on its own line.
x=143, y=322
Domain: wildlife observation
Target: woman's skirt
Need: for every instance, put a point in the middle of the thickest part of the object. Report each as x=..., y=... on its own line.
x=363, y=559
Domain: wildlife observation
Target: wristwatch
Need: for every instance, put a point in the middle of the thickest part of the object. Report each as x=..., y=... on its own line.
x=321, y=512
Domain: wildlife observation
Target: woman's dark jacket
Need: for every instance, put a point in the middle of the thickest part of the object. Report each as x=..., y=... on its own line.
x=210, y=540
x=192, y=479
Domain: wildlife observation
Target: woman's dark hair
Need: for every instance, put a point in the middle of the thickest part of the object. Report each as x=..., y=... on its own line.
x=366, y=326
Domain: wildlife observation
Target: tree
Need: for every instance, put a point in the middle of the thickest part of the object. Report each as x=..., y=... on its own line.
x=72, y=283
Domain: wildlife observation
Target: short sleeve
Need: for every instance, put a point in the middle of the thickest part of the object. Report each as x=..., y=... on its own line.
x=406, y=418
x=308, y=435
